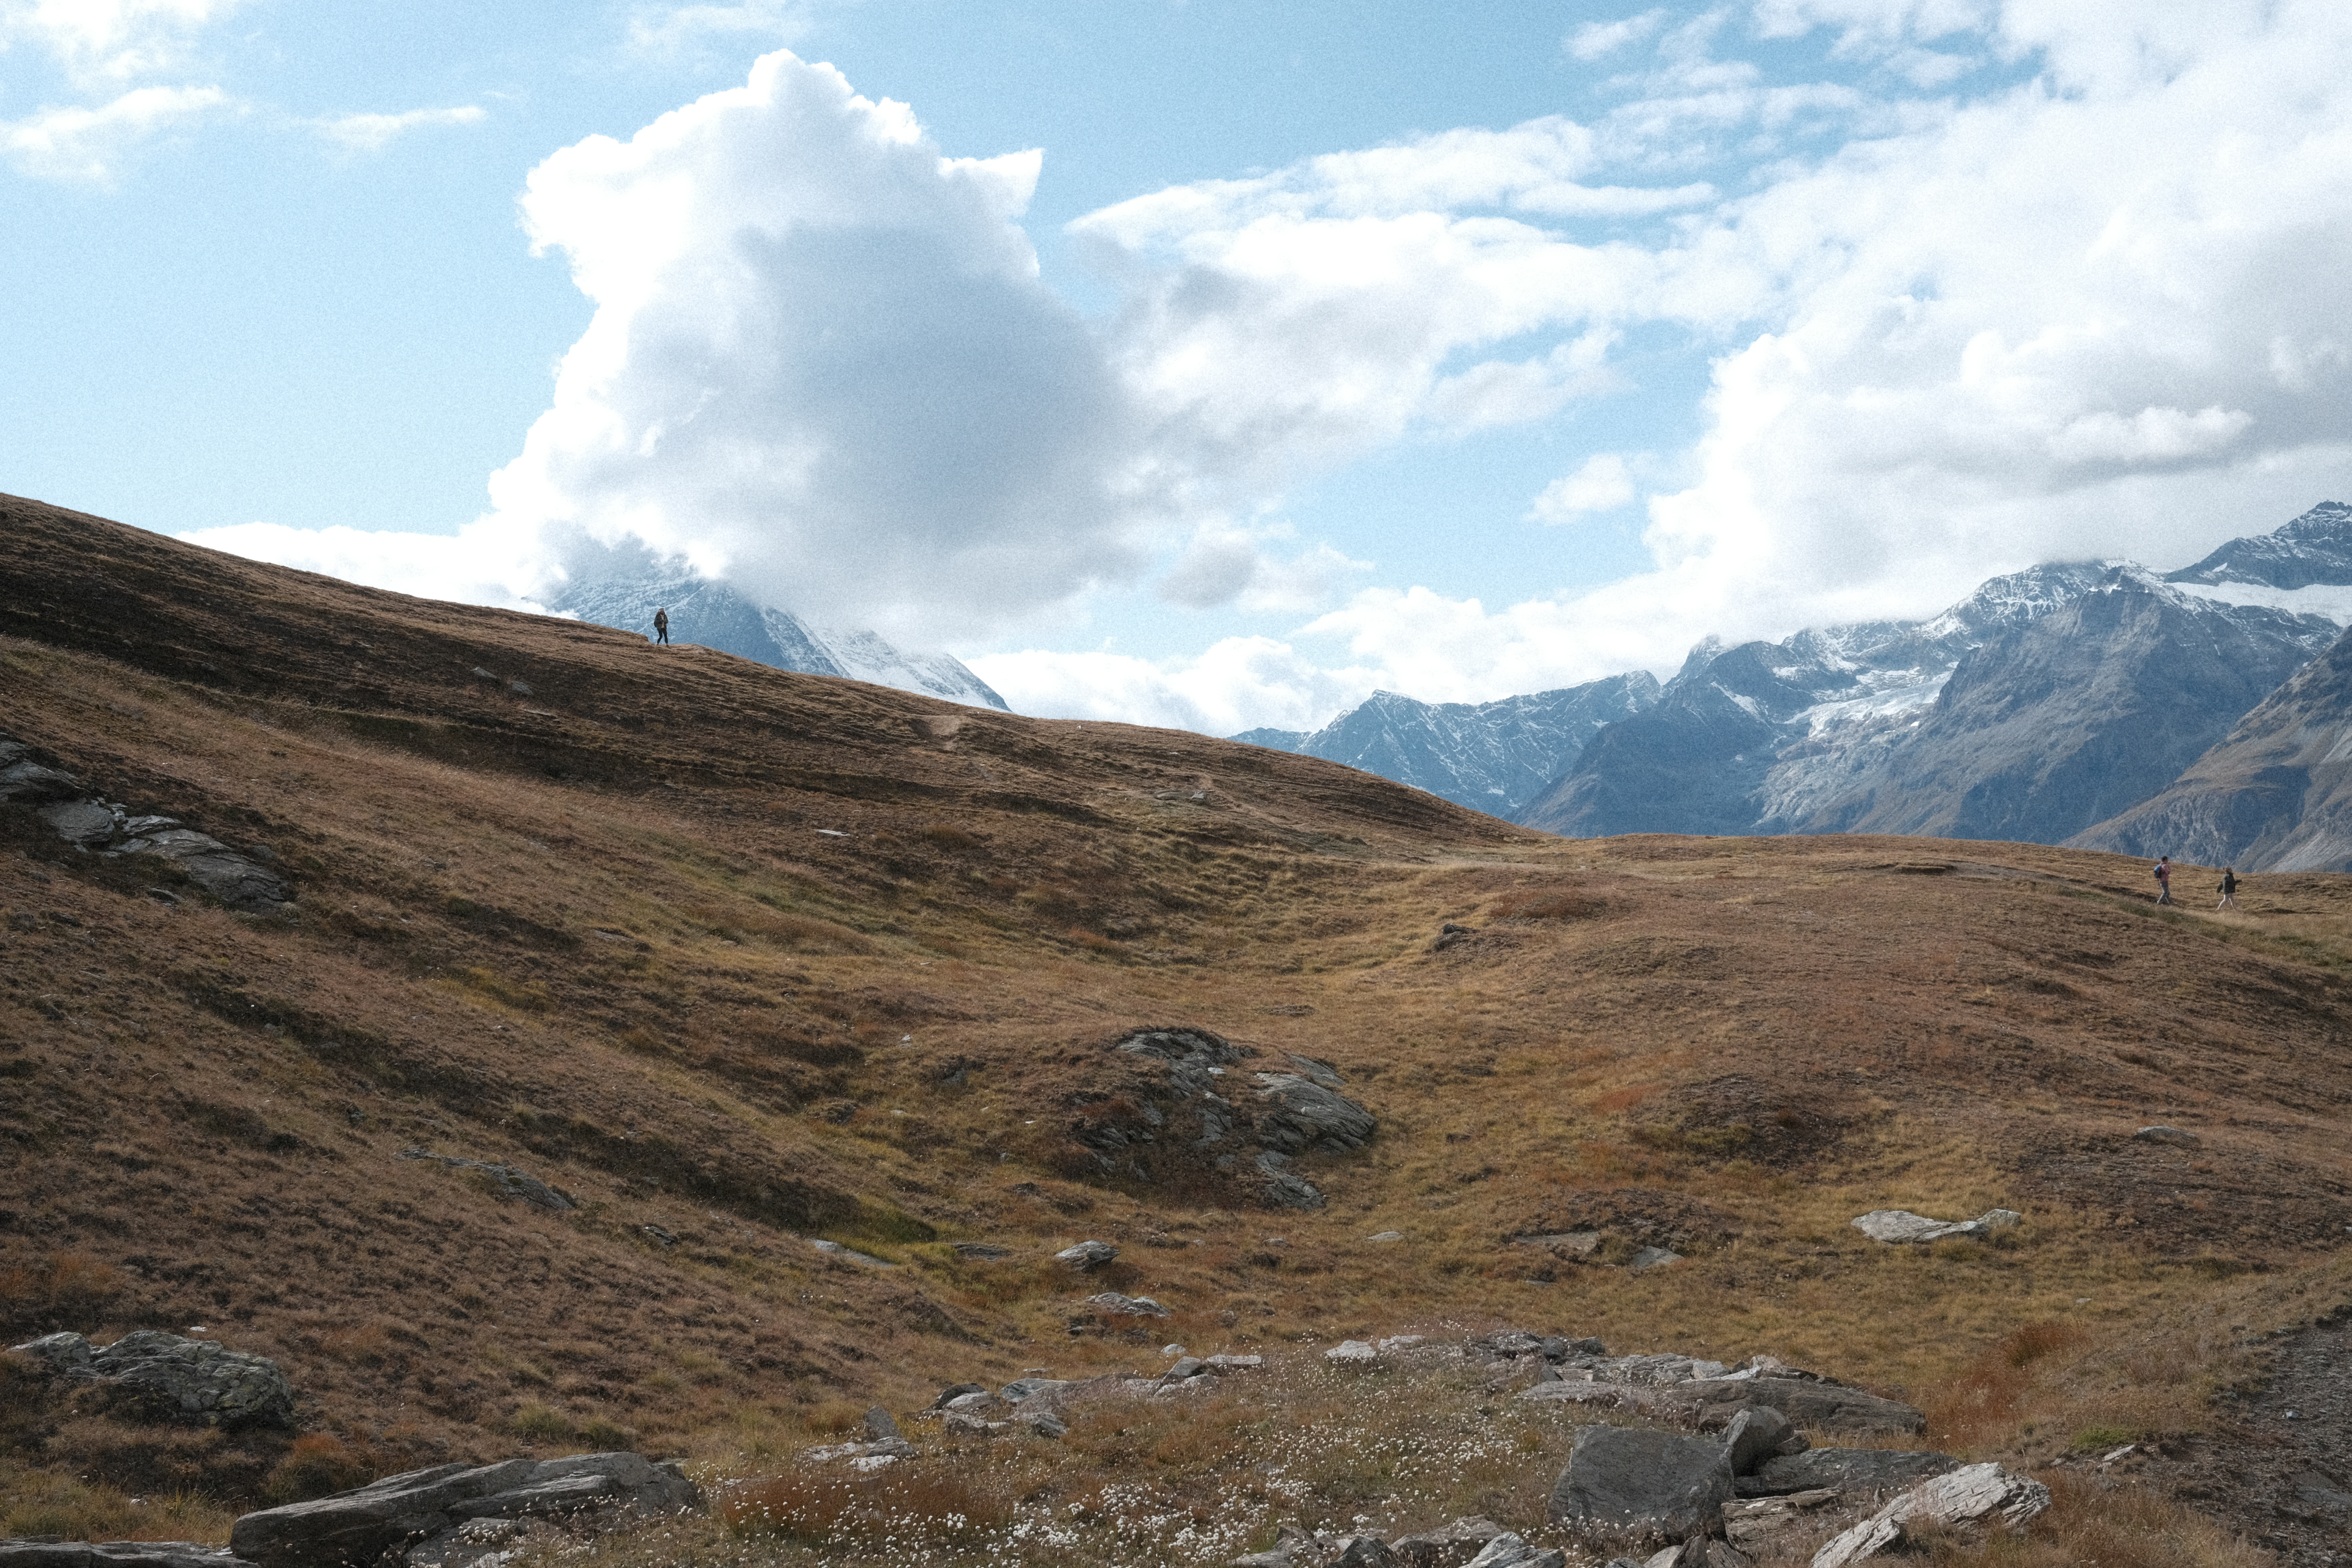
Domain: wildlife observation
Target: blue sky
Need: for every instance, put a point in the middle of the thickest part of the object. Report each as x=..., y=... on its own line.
x=1459, y=350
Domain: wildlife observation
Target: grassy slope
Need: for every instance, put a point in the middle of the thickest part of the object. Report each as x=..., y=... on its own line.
x=593, y=929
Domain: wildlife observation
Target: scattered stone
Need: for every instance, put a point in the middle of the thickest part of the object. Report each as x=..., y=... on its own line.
x=1026, y=1388
x=954, y=1392
x=1365, y=1552
x=1698, y=1551
x=1759, y=1523
x=1901, y=1225
x=1810, y=1402
x=1111, y=1301
x=1451, y=1547
x=40, y=1553
x=1284, y=1188
x=1288, y=1543
x=1351, y=1353
x=1979, y=1495
x=1387, y=1236
x=480, y=1543
x=863, y=1456
x=1509, y=1551
x=2180, y=1135
x=1652, y=1257
x=85, y=822
x=1186, y=1367
x=1847, y=1472
x=26, y=782
x=879, y=1425
x=979, y=1251
x=848, y=1254
x=394, y=1514
x=1225, y=1364
x=1087, y=1256
x=1757, y=1434
x=1627, y=1487
x=511, y=1181
x=1301, y=1114
x=200, y=1382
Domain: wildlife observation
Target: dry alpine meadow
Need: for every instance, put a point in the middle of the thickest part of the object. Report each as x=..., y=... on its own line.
x=658, y=1051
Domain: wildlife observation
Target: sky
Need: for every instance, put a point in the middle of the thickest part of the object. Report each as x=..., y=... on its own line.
x=1189, y=362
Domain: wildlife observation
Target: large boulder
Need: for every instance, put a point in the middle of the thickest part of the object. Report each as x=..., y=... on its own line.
x=1811, y=1402
x=1901, y=1225
x=1625, y=1487
x=1301, y=1114
x=1452, y=1546
x=398, y=1512
x=114, y=1555
x=1847, y=1472
x=170, y=1378
x=1972, y=1496
x=26, y=782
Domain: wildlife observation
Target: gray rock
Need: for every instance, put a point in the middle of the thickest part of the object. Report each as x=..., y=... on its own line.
x=1087, y=1256
x=1698, y=1551
x=1351, y=1353
x=979, y=1251
x=1365, y=1552
x=115, y=1555
x=84, y=822
x=1300, y=1114
x=1509, y=1551
x=1186, y=1366
x=1846, y=1471
x=1975, y=1495
x=1289, y=1541
x=26, y=782
x=1627, y=1487
x=1815, y=1403
x=200, y=1382
x=359, y=1527
x=484, y=1542
x=1451, y=1547
x=849, y=1254
x=1225, y=1364
x=2168, y=1135
x=1284, y=1188
x=1757, y=1434
x=1023, y=1388
x=1896, y=1226
x=511, y=1183
x=1652, y=1257
x=954, y=1392
x=879, y=1425
x=1111, y=1301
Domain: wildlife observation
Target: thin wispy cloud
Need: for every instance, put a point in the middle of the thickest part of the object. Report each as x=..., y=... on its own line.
x=371, y=133
x=91, y=145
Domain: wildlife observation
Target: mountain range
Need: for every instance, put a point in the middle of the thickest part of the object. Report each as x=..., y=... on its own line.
x=621, y=587
x=2052, y=705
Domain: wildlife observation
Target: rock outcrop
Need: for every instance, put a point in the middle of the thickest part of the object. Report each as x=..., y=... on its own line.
x=91, y=822
x=169, y=1378
x=1707, y=1396
x=1625, y=1487
x=1901, y=1225
x=1979, y=1496
x=423, y=1513
x=115, y=1555
x=1180, y=1113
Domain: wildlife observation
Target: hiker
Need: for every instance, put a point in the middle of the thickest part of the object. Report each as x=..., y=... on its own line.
x=2164, y=878
x=2228, y=885
x=661, y=626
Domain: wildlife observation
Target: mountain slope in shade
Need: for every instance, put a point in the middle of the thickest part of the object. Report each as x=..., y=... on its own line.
x=1761, y=737
x=2315, y=548
x=622, y=588
x=1494, y=757
x=2274, y=796
x=2053, y=726
x=1272, y=740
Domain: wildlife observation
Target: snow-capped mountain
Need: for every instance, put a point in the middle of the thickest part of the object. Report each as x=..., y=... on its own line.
x=622, y=588
x=1494, y=757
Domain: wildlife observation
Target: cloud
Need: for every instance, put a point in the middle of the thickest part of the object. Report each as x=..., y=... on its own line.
x=98, y=42
x=663, y=30
x=1236, y=684
x=821, y=363
x=89, y=145
x=479, y=565
x=1598, y=40
x=1224, y=565
x=1603, y=484
x=369, y=133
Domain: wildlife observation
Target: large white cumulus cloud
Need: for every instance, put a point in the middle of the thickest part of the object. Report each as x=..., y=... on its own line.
x=823, y=365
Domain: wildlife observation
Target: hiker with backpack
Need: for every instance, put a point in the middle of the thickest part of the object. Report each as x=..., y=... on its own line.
x=2164, y=878
x=2228, y=885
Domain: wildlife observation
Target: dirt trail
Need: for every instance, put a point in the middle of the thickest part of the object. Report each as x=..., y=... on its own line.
x=2281, y=1471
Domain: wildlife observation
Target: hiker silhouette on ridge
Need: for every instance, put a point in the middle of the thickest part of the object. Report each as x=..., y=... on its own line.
x=661, y=626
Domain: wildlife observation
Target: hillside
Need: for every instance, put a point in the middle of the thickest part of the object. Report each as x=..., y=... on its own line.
x=738, y=961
